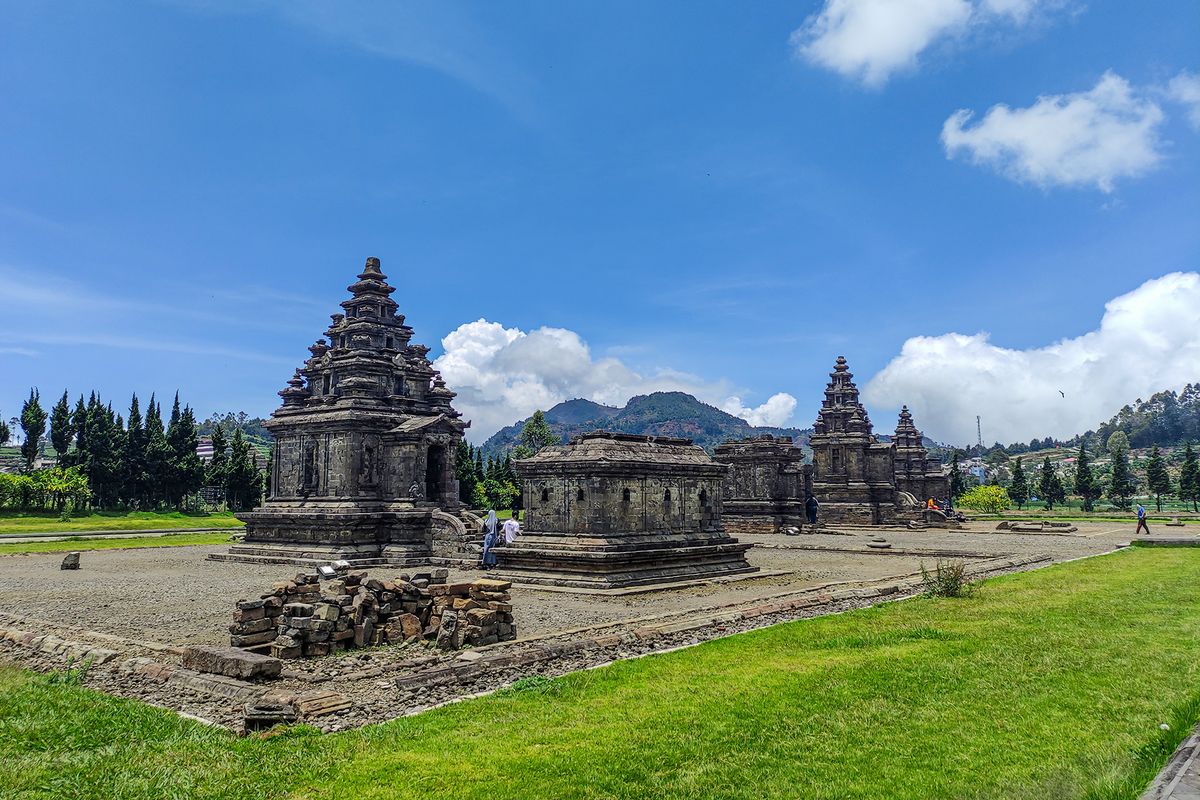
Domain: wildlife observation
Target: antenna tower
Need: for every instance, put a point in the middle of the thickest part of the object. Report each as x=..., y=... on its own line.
x=978, y=431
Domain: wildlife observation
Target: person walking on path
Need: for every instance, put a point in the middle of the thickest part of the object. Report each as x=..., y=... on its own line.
x=512, y=528
x=810, y=509
x=490, y=533
x=1141, y=512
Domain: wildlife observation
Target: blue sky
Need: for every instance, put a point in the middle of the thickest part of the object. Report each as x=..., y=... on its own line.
x=630, y=196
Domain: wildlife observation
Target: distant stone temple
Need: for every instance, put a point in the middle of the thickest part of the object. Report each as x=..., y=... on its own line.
x=611, y=510
x=364, y=446
x=917, y=473
x=853, y=472
x=766, y=485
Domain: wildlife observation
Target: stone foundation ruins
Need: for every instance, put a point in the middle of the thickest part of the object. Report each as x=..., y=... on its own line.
x=612, y=510
x=299, y=618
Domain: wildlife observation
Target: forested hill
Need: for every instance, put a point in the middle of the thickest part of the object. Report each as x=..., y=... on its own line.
x=1165, y=419
x=656, y=414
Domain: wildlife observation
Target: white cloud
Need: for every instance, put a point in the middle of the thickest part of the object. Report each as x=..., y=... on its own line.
x=870, y=40
x=774, y=413
x=1092, y=137
x=505, y=374
x=1148, y=340
x=1184, y=88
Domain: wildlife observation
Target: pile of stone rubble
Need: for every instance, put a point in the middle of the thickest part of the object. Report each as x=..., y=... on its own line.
x=300, y=618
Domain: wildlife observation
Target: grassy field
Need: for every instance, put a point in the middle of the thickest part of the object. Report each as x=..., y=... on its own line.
x=1049, y=684
x=47, y=522
x=85, y=543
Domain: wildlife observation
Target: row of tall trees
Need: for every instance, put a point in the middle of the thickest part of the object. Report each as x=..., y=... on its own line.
x=139, y=462
x=1121, y=485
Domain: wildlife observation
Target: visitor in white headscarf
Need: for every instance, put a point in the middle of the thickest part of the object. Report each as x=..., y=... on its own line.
x=490, y=532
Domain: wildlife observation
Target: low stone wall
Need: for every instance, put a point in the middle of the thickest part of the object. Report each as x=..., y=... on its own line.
x=298, y=618
x=457, y=540
x=742, y=524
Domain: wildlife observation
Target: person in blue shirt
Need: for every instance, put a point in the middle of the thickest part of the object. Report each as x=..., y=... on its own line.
x=1141, y=512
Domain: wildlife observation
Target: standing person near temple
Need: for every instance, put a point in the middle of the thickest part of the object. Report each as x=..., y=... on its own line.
x=490, y=534
x=810, y=509
x=512, y=527
x=1141, y=514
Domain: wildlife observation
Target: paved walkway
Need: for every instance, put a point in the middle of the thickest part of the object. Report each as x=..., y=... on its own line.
x=1180, y=778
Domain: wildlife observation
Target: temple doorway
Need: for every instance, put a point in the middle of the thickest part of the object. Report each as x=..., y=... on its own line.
x=435, y=468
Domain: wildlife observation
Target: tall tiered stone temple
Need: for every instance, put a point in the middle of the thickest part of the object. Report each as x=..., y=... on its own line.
x=364, y=445
x=853, y=474
x=916, y=472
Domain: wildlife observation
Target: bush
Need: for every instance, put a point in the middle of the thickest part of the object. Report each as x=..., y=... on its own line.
x=991, y=499
x=948, y=579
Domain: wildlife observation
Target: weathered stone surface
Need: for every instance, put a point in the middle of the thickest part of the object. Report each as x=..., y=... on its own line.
x=231, y=662
x=611, y=509
x=70, y=561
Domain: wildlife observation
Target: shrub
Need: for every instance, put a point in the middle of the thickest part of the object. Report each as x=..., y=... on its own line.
x=991, y=499
x=948, y=579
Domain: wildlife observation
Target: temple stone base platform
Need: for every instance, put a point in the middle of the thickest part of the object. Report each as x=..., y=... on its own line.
x=619, y=562
x=303, y=535
x=613, y=510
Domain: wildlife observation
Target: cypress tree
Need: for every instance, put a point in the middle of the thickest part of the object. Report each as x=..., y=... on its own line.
x=1157, y=477
x=1086, y=485
x=158, y=456
x=958, y=481
x=245, y=479
x=218, y=468
x=79, y=425
x=33, y=425
x=1189, y=478
x=61, y=432
x=186, y=470
x=133, y=482
x=1018, y=490
x=1046, y=484
x=5, y=432
x=464, y=470
x=1120, y=484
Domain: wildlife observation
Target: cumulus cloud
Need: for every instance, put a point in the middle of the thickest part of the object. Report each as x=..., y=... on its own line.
x=774, y=413
x=869, y=40
x=505, y=374
x=1148, y=340
x=1184, y=88
x=1084, y=138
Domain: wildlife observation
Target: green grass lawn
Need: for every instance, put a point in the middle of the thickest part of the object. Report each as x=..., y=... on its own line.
x=85, y=543
x=47, y=522
x=1048, y=684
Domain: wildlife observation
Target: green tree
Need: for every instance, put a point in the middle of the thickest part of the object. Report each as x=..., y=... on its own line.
x=245, y=478
x=61, y=431
x=158, y=457
x=1158, y=480
x=133, y=476
x=1018, y=489
x=1086, y=484
x=1189, y=478
x=536, y=433
x=1120, y=483
x=464, y=470
x=990, y=499
x=103, y=461
x=1050, y=486
x=33, y=425
x=187, y=470
x=5, y=433
x=1117, y=442
x=217, y=474
x=958, y=481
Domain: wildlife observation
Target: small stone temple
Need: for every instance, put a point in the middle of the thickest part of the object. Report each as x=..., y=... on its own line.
x=916, y=472
x=766, y=485
x=853, y=472
x=611, y=510
x=364, y=445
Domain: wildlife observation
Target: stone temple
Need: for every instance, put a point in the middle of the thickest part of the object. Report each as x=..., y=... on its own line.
x=917, y=473
x=611, y=510
x=766, y=485
x=364, y=446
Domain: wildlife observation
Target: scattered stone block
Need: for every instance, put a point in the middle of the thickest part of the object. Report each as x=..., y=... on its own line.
x=231, y=662
x=71, y=561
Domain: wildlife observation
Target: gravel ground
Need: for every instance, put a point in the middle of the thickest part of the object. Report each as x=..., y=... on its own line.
x=175, y=596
